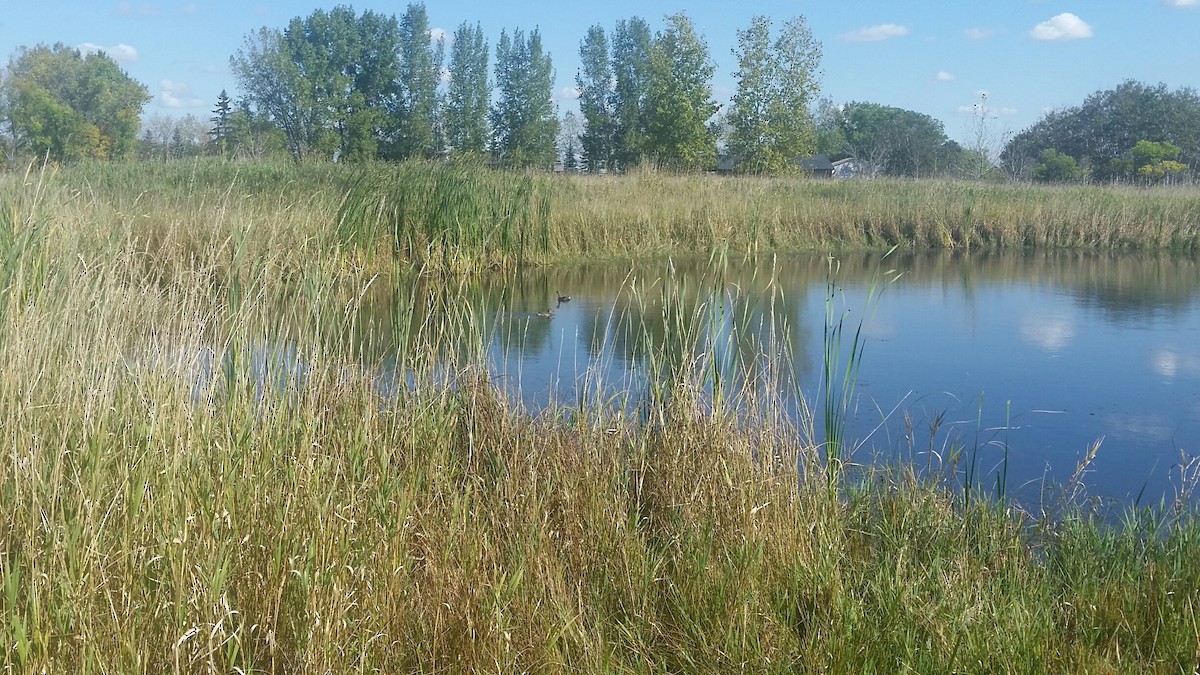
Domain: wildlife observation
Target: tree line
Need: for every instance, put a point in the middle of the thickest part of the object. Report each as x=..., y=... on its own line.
x=344, y=86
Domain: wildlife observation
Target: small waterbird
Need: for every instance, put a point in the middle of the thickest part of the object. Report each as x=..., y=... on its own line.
x=562, y=298
x=546, y=314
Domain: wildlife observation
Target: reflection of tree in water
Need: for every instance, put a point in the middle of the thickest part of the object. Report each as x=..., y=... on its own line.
x=1131, y=289
x=735, y=319
x=1124, y=287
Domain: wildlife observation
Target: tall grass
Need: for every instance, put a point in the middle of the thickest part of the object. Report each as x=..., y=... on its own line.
x=840, y=364
x=340, y=521
x=463, y=217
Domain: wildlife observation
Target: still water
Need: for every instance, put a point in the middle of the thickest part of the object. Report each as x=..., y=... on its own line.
x=1031, y=356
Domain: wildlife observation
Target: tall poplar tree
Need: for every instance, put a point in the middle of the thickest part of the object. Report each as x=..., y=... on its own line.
x=771, y=125
x=631, y=45
x=466, y=114
x=417, y=110
x=679, y=98
x=523, y=120
x=595, y=88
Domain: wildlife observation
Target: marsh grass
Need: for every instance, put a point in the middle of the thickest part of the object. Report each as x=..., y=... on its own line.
x=461, y=217
x=330, y=524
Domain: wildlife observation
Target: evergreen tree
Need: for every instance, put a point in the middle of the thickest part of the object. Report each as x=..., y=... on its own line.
x=466, y=111
x=523, y=120
x=220, y=121
x=570, y=158
x=595, y=89
x=679, y=98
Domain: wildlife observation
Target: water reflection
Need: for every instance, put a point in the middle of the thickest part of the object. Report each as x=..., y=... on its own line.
x=1030, y=356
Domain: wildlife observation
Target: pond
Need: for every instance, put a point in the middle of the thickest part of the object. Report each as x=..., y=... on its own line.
x=1020, y=362
x=1032, y=356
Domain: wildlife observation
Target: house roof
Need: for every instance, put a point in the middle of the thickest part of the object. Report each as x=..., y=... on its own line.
x=816, y=163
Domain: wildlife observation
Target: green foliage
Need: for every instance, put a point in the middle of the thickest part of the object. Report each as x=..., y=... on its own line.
x=416, y=112
x=221, y=123
x=329, y=81
x=1155, y=162
x=631, y=46
x=829, y=137
x=1056, y=167
x=524, y=125
x=1100, y=132
x=896, y=142
x=678, y=100
x=467, y=100
x=1146, y=153
x=771, y=126
x=595, y=82
x=68, y=106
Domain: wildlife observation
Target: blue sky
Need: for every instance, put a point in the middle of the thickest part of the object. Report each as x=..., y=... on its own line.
x=934, y=57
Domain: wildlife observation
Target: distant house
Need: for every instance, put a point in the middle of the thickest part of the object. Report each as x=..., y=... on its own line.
x=817, y=166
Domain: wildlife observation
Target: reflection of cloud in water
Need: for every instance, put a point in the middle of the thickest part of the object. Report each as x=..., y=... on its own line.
x=1169, y=363
x=1048, y=333
x=875, y=327
x=1149, y=427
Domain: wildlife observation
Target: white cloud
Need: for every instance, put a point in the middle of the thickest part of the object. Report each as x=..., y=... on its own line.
x=436, y=34
x=976, y=34
x=875, y=33
x=1061, y=28
x=121, y=53
x=443, y=75
x=177, y=95
x=130, y=9
x=1182, y=3
x=568, y=93
x=943, y=76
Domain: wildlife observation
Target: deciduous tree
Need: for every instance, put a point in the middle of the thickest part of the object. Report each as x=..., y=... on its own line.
x=1056, y=167
x=523, y=120
x=329, y=80
x=1100, y=132
x=467, y=99
x=416, y=114
x=679, y=98
x=770, y=122
x=896, y=142
x=594, y=80
x=631, y=44
x=66, y=105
